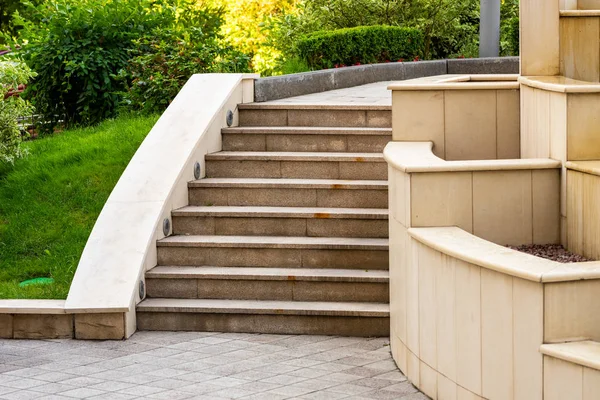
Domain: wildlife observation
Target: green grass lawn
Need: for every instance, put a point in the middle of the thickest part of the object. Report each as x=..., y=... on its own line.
x=50, y=200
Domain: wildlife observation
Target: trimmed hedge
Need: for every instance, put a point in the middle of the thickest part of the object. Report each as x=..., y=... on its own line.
x=360, y=45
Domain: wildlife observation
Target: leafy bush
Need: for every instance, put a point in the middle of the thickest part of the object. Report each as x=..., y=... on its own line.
x=163, y=60
x=76, y=50
x=361, y=45
x=449, y=27
x=81, y=50
x=12, y=74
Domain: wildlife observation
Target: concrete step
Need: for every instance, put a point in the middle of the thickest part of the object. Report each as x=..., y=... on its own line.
x=281, y=221
x=268, y=284
x=288, y=192
x=257, y=114
x=313, y=165
x=259, y=316
x=274, y=251
x=294, y=138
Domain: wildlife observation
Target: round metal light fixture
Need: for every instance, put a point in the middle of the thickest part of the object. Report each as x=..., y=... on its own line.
x=229, y=118
x=142, y=290
x=197, y=170
x=166, y=226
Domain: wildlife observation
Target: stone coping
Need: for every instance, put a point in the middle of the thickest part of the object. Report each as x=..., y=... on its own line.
x=585, y=353
x=26, y=306
x=588, y=167
x=580, y=13
x=560, y=84
x=122, y=245
x=460, y=244
x=459, y=82
x=418, y=157
x=279, y=87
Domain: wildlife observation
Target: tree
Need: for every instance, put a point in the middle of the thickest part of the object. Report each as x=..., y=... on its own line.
x=245, y=27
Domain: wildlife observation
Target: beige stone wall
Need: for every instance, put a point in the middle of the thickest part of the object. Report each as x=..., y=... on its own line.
x=565, y=380
x=469, y=318
x=539, y=45
x=462, y=124
x=505, y=207
x=62, y=326
x=458, y=329
x=583, y=214
x=580, y=47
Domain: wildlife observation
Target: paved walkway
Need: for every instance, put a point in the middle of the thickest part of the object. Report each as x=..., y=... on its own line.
x=373, y=94
x=196, y=365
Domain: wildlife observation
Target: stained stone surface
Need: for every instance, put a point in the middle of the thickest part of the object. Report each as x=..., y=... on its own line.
x=197, y=365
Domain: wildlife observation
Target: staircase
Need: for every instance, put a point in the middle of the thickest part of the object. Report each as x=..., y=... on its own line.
x=287, y=234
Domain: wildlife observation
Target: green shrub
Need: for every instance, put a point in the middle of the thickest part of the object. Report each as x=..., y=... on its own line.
x=76, y=50
x=89, y=53
x=360, y=45
x=12, y=74
x=163, y=60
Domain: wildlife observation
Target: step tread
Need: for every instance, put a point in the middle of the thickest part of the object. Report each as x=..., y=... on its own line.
x=283, y=183
x=349, y=309
x=306, y=130
x=268, y=274
x=314, y=106
x=274, y=242
x=586, y=352
x=295, y=156
x=281, y=212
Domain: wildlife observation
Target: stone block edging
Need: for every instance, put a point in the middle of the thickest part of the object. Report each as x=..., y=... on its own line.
x=278, y=87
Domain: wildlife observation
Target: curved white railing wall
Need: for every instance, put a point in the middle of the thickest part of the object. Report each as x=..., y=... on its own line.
x=122, y=245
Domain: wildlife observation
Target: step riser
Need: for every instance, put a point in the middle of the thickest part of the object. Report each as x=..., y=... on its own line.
x=289, y=197
x=268, y=324
x=275, y=258
x=286, y=290
x=306, y=143
x=313, y=227
x=323, y=118
x=355, y=170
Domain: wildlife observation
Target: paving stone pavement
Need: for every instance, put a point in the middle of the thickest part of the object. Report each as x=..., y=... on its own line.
x=372, y=94
x=199, y=365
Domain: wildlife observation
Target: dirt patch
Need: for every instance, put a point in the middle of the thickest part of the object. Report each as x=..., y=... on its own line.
x=554, y=252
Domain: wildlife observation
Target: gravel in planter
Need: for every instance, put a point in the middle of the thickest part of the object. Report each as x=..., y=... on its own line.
x=554, y=252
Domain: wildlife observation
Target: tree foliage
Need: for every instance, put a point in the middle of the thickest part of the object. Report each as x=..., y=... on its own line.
x=12, y=74
x=162, y=62
x=88, y=54
x=246, y=27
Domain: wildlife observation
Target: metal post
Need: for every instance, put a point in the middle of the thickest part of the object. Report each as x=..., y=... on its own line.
x=489, y=28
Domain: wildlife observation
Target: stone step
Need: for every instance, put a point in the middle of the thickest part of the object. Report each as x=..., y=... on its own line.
x=294, y=165
x=274, y=251
x=288, y=192
x=293, y=138
x=257, y=114
x=268, y=284
x=259, y=316
x=281, y=221
x=572, y=370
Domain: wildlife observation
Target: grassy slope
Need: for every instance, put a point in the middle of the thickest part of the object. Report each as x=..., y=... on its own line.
x=50, y=200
